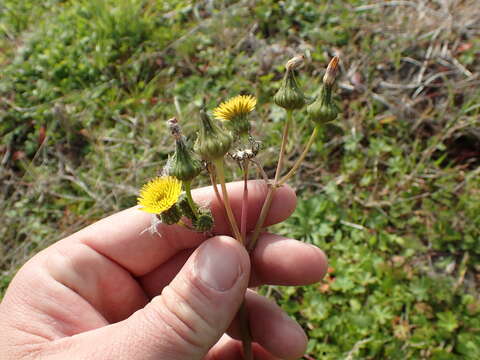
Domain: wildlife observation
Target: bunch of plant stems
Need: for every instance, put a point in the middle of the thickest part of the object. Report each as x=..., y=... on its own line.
x=218, y=174
x=231, y=138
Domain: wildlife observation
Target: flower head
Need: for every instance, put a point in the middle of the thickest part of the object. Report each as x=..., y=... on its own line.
x=159, y=194
x=238, y=106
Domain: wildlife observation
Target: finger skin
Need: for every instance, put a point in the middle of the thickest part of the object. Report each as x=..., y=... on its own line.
x=272, y=328
x=124, y=240
x=109, y=288
x=182, y=323
x=154, y=282
x=231, y=349
x=276, y=260
x=90, y=259
x=281, y=261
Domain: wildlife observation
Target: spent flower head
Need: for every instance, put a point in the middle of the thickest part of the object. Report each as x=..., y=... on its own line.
x=159, y=194
x=213, y=142
x=183, y=164
x=295, y=62
x=174, y=128
x=324, y=109
x=331, y=72
x=289, y=96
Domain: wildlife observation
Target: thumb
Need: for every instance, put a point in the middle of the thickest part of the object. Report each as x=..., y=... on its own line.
x=190, y=315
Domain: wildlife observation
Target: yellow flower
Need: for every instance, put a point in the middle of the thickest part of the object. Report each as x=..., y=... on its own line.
x=238, y=106
x=159, y=194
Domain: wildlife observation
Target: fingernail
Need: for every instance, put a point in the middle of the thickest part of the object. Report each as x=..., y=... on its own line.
x=218, y=264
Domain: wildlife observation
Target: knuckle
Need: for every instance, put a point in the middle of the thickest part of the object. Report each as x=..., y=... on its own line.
x=182, y=322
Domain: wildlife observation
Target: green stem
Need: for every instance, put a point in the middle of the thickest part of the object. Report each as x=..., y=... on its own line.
x=244, y=217
x=299, y=161
x=261, y=220
x=181, y=223
x=213, y=179
x=269, y=198
x=243, y=314
x=188, y=192
x=283, y=146
x=260, y=170
x=245, y=331
x=219, y=169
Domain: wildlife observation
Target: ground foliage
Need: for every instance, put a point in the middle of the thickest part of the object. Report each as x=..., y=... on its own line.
x=391, y=193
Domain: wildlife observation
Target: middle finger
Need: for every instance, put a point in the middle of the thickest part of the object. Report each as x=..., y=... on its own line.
x=276, y=260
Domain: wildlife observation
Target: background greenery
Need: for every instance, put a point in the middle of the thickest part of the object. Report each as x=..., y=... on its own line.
x=391, y=193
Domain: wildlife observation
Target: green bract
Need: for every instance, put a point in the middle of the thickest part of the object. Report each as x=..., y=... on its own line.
x=204, y=222
x=184, y=166
x=289, y=96
x=240, y=125
x=185, y=208
x=213, y=142
x=171, y=216
x=323, y=110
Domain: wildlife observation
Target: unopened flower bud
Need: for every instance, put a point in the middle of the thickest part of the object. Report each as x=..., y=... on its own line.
x=204, y=222
x=289, y=96
x=213, y=142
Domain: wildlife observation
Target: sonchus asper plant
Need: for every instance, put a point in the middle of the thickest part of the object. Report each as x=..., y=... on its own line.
x=229, y=138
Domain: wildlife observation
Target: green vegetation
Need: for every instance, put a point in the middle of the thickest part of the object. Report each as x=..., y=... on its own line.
x=391, y=193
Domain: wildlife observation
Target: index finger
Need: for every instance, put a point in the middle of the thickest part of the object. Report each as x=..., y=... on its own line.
x=121, y=237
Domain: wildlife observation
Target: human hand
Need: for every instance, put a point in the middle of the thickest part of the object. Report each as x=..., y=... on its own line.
x=112, y=291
